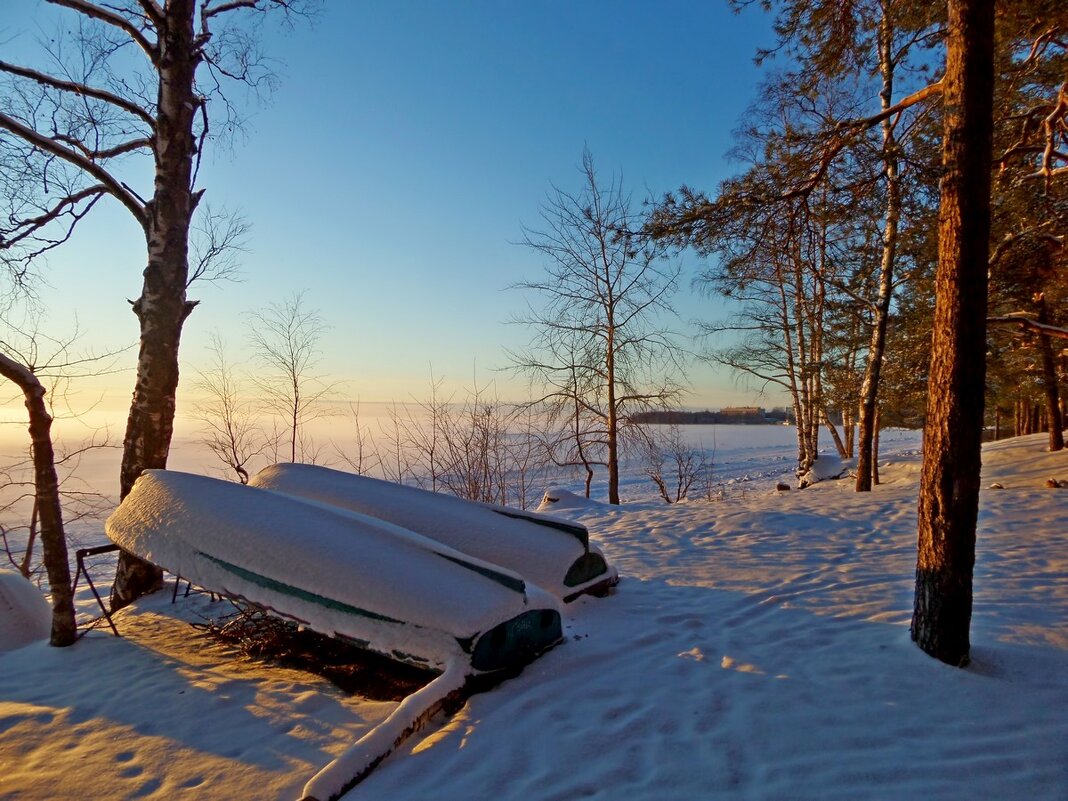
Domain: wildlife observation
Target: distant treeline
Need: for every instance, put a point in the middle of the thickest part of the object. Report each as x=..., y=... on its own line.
x=736, y=415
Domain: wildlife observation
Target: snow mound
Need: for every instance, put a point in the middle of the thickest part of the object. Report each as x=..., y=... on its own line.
x=826, y=468
x=558, y=498
x=25, y=616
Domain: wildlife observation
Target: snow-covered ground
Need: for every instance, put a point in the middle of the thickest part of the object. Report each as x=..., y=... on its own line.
x=756, y=648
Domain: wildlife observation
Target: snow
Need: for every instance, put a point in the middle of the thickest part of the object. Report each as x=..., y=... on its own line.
x=825, y=468
x=539, y=547
x=412, y=714
x=557, y=499
x=330, y=568
x=25, y=615
x=756, y=648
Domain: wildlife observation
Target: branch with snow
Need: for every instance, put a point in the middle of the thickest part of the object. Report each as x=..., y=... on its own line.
x=1025, y=323
x=413, y=714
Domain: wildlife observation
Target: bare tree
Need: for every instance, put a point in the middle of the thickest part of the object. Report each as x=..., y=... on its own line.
x=24, y=367
x=599, y=342
x=572, y=434
x=395, y=459
x=47, y=504
x=230, y=426
x=362, y=457
x=57, y=370
x=528, y=462
x=285, y=338
x=673, y=465
x=479, y=448
x=133, y=80
x=949, y=484
x=426, y=425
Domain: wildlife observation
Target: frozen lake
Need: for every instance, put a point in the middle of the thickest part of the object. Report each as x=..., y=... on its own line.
x=742, y=458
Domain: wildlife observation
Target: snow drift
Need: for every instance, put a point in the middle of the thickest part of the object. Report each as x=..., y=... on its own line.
x=24, y=612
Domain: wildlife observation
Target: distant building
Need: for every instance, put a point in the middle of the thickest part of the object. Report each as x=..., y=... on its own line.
x=731, y=415
x=742, y=414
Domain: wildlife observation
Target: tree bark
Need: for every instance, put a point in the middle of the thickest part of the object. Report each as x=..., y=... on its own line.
x=833, y=429
x=162, y=308
x=949, y=488
x=1049, y=381
x=47, y=502
x=869, y=392
x=875, y=450
x=613, y=417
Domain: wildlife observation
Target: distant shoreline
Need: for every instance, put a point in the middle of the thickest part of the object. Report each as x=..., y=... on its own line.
x=732, y=415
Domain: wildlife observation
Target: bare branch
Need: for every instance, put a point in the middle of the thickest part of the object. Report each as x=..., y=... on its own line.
x=111, y=185
x=218, y=240
x=80, y=89
x=106, y=153
x=846, y=132
x=207, y=11
x=116, y=20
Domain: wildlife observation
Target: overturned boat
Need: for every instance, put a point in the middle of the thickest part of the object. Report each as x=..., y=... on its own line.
x=339, y=572
x=555, y=554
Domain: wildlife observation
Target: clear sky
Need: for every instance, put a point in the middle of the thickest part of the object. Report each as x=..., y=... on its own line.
x=405, y=146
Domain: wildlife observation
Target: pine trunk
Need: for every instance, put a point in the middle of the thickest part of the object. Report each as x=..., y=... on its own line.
x=162, y=308
x=949, y=488
x=1049, y=381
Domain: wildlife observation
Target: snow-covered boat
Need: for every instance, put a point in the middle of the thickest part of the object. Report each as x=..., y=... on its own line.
x=553, y=553
x=341, y=573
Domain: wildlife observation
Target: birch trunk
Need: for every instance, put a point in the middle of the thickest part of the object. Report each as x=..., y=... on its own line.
x=613, y=418
x=870, y=388
x=162, y=307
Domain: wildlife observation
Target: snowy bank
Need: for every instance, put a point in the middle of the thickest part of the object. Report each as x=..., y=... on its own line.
x=757, y=649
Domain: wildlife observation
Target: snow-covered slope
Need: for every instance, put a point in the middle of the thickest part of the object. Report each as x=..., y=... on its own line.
x=756, y=648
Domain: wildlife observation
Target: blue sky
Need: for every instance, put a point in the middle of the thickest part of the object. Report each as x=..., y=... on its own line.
x=407, y=143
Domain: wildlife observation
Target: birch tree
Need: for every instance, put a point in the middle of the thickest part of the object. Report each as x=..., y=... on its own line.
x=230, y=425
x=602, y=305
x=134, y=82
x=285, y=339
